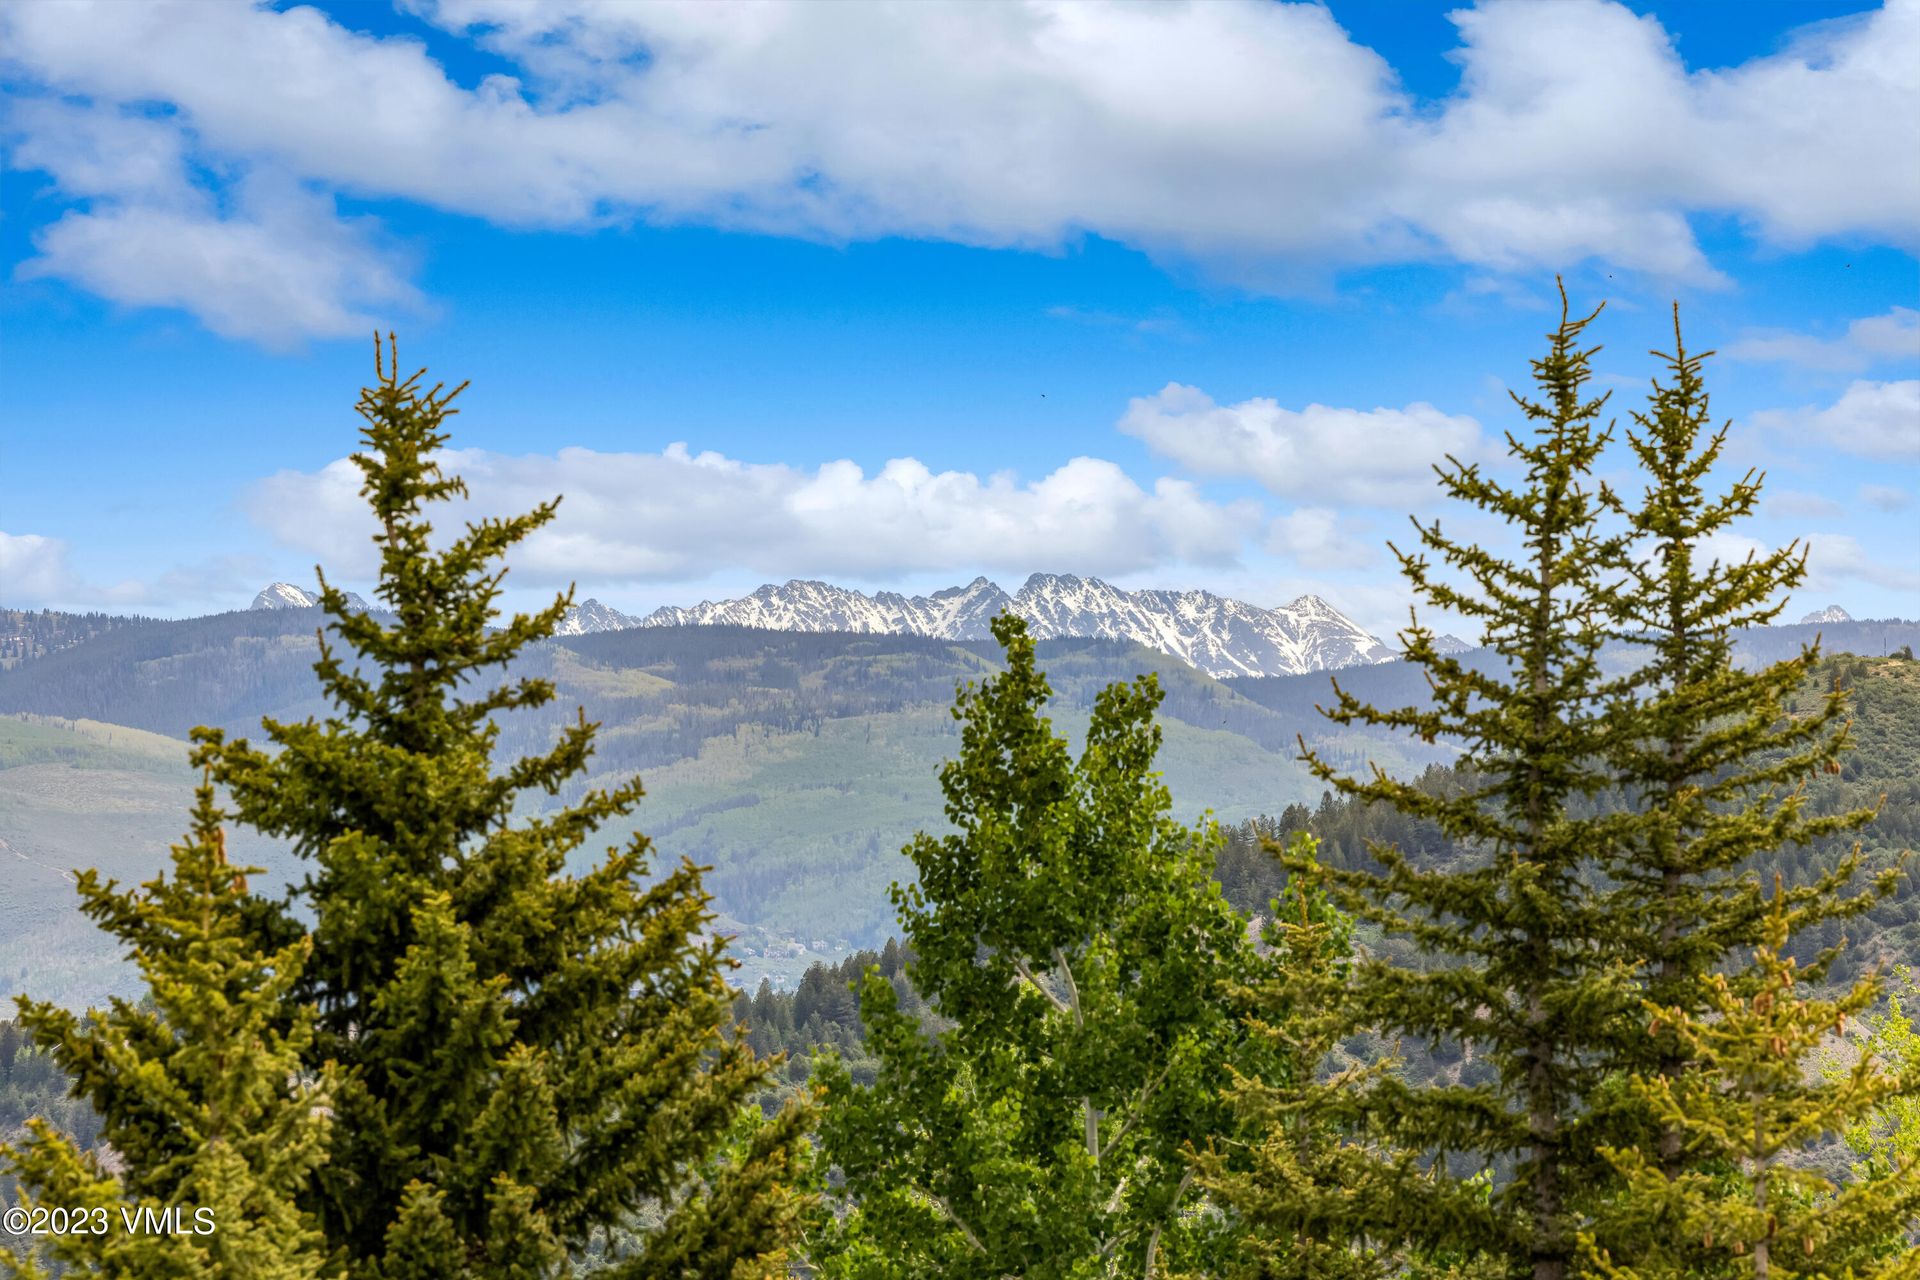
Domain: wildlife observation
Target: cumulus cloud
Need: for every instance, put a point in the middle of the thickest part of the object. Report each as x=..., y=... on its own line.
x=1379, y=457
x=33, y=568
x=1253, y=138
x=1873, y=419
x=265, y=259
x=1893, y=336
x=676, y=515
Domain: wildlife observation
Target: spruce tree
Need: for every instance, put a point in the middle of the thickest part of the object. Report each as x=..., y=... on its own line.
x=528, y=1056
x=200, y=1087
x=1744, y=1103
x=1291, y=1177
x=1072, y=941
x=1523, y=947
x=1708, y=755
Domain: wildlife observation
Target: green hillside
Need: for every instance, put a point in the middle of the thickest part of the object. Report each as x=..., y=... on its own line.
x=83, y=794
x=795, y=764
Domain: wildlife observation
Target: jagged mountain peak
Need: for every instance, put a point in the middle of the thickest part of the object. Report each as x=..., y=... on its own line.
x=590, y=616
x=1832, y=613
x=1216, y=634
x=284, y=595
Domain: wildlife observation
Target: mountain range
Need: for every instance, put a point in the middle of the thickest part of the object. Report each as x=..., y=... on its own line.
x=1218, y=635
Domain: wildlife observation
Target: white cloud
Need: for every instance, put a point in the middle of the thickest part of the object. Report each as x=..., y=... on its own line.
x=1805, y=506
x=1893, y=336
x=1321, y=538
x=266, y=259
x=1883, y=497
x=36, y=572
x=1379, y=457
x=1873, y=419
x=1835, y=559
x=677, y=515
x=1253, y=138
x=33, y=568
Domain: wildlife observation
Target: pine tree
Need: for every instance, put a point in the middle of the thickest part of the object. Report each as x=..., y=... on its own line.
x=200, y=1089
x=1524, y=948
x=1709, y=756
x=1290, y=1177
x=528, y=1056
x=1069, y=933
x=1745, y=1101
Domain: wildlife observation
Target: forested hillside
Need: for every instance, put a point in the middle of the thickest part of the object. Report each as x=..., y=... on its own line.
x=796, y=764
x=27, y=634
x=821, y=1010
x=1883, y=770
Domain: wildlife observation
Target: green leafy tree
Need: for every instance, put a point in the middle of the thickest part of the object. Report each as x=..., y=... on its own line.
x=527, y=1056
x=1069, y=935
x=200, y=1088
x=1524, y=948
x=1889, y=1138
x=1747, y=1100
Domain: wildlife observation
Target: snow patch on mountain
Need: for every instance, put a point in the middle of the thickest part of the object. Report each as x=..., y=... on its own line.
x=1832, y=613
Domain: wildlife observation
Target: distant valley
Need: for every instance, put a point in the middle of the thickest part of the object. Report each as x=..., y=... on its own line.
x=795, y=761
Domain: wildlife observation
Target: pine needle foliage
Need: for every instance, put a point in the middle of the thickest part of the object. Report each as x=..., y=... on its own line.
x=200, y=1088
x=1526, y=973
x=528, y=1055
x=1713, y=755
x=1747, y=1101
x=1709, y=756
x=1290, y=1177
x=1069, y=934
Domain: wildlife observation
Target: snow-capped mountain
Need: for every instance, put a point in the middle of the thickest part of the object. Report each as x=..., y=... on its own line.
x=284, y=595
x=1220, y=636
x=1832, y=613
x=590, y=616
x=1217, y=635
x=1450, y=643
x=958, y=613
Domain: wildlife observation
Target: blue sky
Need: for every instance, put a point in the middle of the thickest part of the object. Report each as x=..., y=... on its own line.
x=1177, y=295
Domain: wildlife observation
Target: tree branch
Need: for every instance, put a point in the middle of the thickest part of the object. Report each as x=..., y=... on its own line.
x=1020, y=966
x=1153, y=1241
x=1073, y=988
x=1146, y=1092
x=947, y=1209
